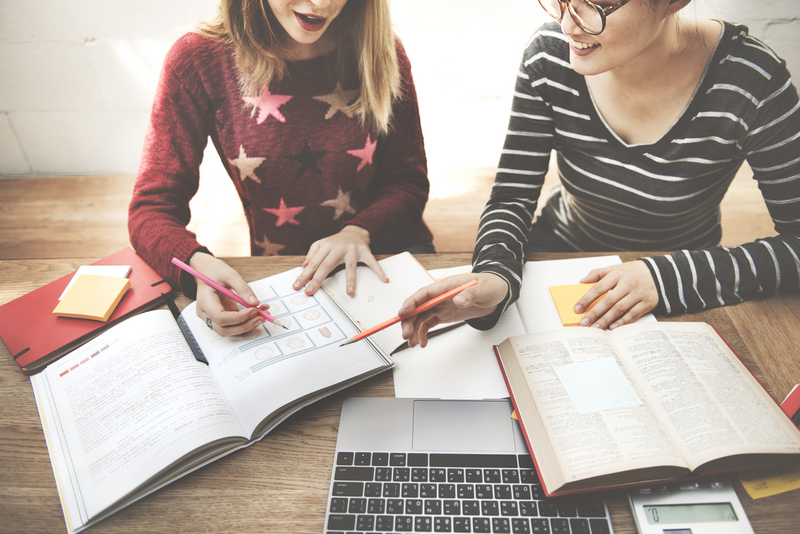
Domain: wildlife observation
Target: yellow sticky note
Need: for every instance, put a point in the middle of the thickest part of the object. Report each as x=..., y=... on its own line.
x=565, y=298
x=760, y=483
x=92, y=297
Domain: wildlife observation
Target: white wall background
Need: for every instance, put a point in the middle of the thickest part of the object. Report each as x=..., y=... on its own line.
x=77, y=76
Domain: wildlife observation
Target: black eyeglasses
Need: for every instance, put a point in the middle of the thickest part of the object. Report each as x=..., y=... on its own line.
x=589, y=16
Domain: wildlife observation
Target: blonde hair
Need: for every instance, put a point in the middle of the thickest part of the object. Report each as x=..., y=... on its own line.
x=365, y=45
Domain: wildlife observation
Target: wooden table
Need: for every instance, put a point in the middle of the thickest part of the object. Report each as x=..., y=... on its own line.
x=280, y=484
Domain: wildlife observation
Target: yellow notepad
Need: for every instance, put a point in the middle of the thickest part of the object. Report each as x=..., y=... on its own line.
x=92, y=297
x=565, y=298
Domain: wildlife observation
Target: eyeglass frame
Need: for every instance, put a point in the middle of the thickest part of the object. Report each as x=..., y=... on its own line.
x=603, y=11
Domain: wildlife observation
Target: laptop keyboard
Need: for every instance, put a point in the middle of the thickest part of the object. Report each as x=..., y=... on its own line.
x=420, y=492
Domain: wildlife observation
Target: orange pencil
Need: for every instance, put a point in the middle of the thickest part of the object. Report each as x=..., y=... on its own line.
x=419, y=309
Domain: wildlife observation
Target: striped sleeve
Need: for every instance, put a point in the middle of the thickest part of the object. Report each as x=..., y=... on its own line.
x=506, y=219
x=693, y=280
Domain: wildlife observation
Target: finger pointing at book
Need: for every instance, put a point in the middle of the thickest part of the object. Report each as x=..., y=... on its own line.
x=476, y=301
x=227, y=319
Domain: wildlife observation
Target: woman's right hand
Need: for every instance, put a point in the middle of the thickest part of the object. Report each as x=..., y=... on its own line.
x=226, y=317
x=477, y=301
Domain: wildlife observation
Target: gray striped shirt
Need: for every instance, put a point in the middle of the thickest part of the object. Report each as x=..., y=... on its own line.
x=660, y=196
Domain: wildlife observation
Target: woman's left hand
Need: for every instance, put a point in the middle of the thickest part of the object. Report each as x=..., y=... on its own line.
x=349, y=246
x=629, y=290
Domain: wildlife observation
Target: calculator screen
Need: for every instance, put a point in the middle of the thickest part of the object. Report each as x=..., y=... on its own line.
x=690, y=513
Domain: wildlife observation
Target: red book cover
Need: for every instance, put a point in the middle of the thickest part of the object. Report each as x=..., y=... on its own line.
x=35, y=337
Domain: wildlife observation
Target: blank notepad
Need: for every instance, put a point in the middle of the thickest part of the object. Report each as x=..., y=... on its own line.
x=565, y=298
x=92, y=297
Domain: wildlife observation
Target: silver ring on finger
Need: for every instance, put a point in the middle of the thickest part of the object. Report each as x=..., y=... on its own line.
x=208, y=322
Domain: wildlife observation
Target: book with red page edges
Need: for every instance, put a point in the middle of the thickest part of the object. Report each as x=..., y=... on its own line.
x=35, y=337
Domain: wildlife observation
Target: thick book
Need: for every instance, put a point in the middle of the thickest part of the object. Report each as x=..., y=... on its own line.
x=155, y=397
x=643, y=403
x=35, y=337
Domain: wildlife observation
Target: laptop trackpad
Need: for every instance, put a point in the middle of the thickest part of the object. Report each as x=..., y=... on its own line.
x=480, y=426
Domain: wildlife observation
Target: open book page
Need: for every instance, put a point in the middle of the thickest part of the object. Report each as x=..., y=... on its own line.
x=703, y=393
x=270, y=368
x=535, y=304
x=459, y=364
x=584, y=401
x=125, y=406
x=376, y=301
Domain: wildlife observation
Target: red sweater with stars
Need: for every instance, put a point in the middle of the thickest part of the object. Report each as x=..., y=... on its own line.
x=303, y=168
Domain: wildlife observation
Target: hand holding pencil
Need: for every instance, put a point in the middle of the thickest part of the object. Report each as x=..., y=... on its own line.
x=419, y=309
x=479, y=300
x=217, y=305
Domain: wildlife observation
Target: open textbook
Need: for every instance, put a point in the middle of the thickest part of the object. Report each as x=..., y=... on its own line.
x=642, y=403
x=136, y=408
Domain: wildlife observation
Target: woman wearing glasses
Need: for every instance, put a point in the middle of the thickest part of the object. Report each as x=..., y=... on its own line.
x=650, y=116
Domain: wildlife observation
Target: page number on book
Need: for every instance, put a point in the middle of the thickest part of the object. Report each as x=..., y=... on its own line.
x=707, y=506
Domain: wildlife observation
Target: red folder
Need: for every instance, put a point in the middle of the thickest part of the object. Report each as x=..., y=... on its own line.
x=35, y=337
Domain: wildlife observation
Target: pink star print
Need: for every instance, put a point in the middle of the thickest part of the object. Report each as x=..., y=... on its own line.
x=364, y=153
x=285, y=214
x=268, y=104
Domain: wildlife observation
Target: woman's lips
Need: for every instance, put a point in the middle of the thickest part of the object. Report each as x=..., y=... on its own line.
x=310, y=22
x=582, y=49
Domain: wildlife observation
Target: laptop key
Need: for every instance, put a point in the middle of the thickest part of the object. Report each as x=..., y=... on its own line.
x=380, y=458
x=376, y=506
x=344, y=458
x=423, y=524
x=520, y=525
x=452, y=508
x=540, y=526
x=580, y=526
x=461, y=524
x=357, y=506
x=391, y=489
x=599, y=526
x=372, y=489
x=365, y=522
x=384, y=523
x=404, y=523
x=442, y=524
x=338, y=505
x=447, y=491
x=559, y=525
x=481, y=524
x=591, y=509
x=341, y=522
x=410, y=491
x=413, y=506
x=348, y=489
x=395, y=506
x=354, y=473
x=501, y=525
x=397, y=459
x=433, y=507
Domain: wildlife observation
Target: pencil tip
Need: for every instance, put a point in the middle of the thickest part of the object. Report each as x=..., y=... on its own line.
x=347, y=342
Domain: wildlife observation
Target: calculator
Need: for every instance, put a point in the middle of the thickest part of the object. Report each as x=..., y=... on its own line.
x=707, y=506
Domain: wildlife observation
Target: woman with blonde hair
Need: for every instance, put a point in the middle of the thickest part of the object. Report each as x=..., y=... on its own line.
x=311, y=107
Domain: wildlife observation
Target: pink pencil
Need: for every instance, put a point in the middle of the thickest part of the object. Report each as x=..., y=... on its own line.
x=228, y=292
x=419, y=309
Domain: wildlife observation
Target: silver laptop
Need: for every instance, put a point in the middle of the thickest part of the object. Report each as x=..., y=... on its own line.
x=421, y=465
